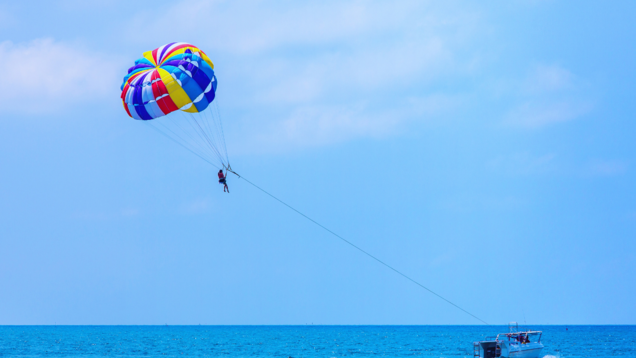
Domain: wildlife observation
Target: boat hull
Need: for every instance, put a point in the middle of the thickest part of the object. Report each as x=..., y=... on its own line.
x=525, y=351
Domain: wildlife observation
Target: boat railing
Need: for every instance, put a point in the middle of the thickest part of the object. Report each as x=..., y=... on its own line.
x=527, y=334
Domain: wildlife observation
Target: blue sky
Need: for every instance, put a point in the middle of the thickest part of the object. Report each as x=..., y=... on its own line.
x=483, y=148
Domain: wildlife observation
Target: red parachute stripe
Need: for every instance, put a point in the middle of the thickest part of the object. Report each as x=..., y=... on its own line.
x=163, y=106
x=156, y=92
x=168, y=103
x=158, y=89
x=154, y=75
x=154, y=55
x=124, y=91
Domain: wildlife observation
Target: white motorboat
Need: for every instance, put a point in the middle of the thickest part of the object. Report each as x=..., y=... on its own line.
x=516, y=343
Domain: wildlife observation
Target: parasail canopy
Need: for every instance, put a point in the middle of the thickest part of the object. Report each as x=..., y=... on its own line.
x=177, y=78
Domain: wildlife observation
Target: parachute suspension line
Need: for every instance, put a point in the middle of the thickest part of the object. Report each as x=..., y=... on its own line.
x=183, y=142
x=201, y=140
x=215, y=132
x=218, y=111
x=218, y=124
x=183, y=145
x=197, y=128
x=363, y=251
x=207, y=128
x=191, y=143
x=211, y=123
x=195, y=137
x=202, y=133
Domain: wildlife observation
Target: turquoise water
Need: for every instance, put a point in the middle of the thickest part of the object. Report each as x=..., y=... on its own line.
x=297, y=341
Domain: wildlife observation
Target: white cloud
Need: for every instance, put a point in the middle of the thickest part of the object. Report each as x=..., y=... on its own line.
x=354, y=73
x=301, y=51
x=254, y=26
x=320, y=125
x=324, y=66
x=433, y=106
x=542, y=113
x=549, y=78
x=549, y=94
x=317, y=125
x=321, y=66
x=45, y=76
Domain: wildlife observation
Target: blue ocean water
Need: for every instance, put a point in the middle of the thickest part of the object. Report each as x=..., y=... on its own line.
x=298, y=341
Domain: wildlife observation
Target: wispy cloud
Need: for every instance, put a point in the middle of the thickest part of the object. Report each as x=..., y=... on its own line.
x=317, y=125
x=545, y=79
x=45, y=76
x=549, y=94
x=310, y=126
x=254, y=26
x=538, y=114
x=356, y=73
x=322, y=66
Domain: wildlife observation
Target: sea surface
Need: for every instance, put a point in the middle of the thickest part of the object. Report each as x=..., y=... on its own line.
x=298, y=341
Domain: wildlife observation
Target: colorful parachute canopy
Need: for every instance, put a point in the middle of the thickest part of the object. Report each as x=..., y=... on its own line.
x=174, y=76
x=178, y=76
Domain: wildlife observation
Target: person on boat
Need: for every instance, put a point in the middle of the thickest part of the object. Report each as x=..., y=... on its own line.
x=222, y=180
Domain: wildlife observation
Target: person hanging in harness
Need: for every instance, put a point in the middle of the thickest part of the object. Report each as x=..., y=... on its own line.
x=223, y=181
